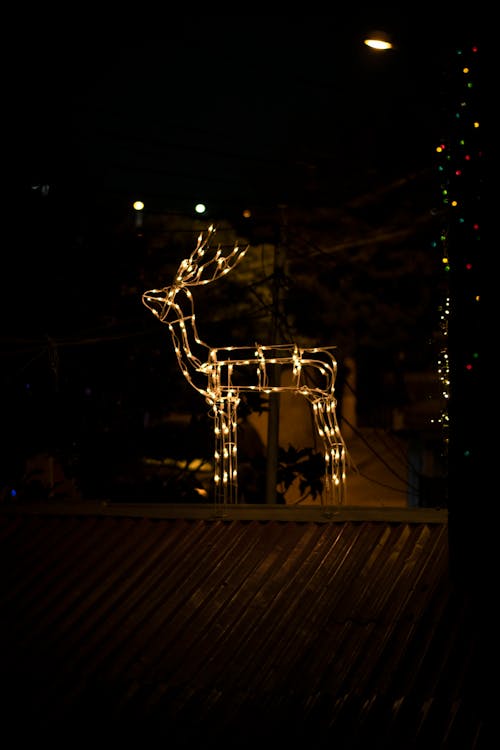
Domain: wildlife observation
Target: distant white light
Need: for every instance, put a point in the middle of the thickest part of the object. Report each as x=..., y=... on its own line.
x=200, y=208
x=138, y=205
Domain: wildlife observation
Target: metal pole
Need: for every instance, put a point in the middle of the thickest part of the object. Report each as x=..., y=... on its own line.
x=274, y=398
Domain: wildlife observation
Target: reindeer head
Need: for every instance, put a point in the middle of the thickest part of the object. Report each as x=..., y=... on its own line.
x=204, y=265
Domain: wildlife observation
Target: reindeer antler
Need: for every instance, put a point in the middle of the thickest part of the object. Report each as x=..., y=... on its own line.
x=193, y=272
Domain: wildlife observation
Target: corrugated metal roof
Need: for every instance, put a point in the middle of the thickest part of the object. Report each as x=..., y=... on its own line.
x=210, y=632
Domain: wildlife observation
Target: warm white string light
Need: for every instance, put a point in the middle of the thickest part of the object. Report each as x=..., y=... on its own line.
x=216, y=374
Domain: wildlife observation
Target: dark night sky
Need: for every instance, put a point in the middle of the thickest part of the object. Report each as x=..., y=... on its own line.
x=232, y=109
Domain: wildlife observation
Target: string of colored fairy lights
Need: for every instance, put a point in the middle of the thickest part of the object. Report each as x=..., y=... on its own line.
x=222, y=374
x=460, y=159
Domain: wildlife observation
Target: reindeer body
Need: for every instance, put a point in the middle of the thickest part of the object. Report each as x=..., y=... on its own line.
x=221, y=374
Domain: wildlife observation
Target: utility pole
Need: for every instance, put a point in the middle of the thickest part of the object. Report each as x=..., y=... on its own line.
x=275, y=375
x=55, y=416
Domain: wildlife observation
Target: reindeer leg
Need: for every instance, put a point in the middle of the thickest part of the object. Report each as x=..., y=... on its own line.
x=226, y=452
x=334, y=452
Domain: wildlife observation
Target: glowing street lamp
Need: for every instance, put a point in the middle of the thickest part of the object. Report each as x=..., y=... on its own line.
x=378, y=40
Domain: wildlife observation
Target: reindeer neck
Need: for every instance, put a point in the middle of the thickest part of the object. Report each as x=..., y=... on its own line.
x=190, y=350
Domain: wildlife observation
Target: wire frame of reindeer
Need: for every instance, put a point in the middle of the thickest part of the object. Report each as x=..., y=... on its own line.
x=216, y=372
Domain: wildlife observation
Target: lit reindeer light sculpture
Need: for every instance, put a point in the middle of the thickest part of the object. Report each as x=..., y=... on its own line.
x=216, y=372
